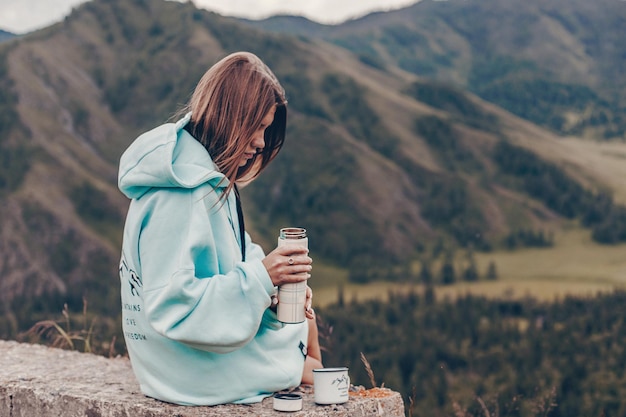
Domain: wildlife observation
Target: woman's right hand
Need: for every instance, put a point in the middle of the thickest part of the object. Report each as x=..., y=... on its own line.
x=288, y=264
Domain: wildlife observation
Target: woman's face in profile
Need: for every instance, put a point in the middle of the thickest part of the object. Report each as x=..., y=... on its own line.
x=257, y=142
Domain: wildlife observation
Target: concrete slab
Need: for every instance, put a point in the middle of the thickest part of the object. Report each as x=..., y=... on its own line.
x=39, y=381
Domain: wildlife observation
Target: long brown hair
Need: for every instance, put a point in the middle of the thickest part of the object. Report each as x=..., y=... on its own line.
x=228, y=106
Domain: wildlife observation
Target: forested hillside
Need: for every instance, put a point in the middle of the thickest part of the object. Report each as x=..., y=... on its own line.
x=478, y=357
x=380, y=165
x=558, y=63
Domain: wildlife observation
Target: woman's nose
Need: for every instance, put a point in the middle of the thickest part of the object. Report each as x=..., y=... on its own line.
x=259, y=141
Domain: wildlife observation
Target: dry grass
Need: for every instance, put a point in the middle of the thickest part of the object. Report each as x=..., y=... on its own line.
x=65, y=337
x=368, y=369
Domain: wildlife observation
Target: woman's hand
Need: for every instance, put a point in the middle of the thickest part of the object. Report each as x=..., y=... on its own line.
x=288, y=264
x=308, y=304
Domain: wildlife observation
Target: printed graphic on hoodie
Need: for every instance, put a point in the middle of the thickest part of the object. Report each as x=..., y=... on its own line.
x=131, y=307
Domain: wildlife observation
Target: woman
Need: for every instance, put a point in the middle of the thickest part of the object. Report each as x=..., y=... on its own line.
x=197, y=295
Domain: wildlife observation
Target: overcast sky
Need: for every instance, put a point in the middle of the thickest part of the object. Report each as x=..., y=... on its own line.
x=21, y=16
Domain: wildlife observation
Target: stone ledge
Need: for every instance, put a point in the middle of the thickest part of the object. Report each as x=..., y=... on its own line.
x=38, y=381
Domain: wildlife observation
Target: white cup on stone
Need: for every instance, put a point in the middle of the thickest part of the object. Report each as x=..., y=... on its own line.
x=331, y=385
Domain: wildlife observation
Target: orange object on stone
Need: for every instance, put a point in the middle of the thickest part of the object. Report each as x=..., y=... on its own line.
x=372, y=393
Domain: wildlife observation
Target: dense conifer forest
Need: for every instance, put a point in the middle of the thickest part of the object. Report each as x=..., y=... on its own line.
x=474, y=356
x=464, y=357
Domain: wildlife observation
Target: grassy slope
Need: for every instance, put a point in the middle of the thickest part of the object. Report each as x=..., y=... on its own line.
x=592, y=162
x=574, y=266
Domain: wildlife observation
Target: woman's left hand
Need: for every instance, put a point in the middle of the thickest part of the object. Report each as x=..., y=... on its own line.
x=308, y=309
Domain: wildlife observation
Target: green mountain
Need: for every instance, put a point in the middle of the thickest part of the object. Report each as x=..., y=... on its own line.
x=559, y=64
x=379, y=163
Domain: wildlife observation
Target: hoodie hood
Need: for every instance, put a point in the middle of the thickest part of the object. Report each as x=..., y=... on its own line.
x=166, y=157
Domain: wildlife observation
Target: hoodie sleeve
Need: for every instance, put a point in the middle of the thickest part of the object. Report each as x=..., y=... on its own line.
x=196, y=289
x=253, y=251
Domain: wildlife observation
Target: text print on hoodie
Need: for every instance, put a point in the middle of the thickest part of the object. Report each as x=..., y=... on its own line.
x=195, y=317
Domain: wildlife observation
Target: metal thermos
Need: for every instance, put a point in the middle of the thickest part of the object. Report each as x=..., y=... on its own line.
x=292, y=297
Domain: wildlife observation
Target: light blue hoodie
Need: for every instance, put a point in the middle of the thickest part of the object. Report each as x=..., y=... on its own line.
x=195, y=317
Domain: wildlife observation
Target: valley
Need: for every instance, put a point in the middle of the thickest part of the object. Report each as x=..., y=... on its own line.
x=575, y=266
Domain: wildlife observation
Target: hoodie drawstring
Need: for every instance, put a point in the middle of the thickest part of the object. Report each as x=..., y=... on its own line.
x=242, y=228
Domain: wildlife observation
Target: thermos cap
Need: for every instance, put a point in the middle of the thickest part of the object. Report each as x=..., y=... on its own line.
x=287, y=402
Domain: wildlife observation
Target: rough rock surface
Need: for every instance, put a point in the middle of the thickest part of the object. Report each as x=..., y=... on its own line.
x=38, y=381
